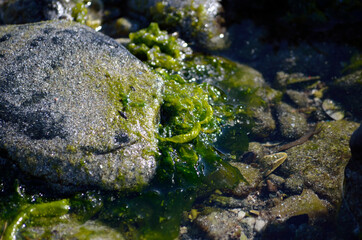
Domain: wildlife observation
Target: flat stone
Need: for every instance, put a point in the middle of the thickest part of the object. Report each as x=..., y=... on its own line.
x=320, y=162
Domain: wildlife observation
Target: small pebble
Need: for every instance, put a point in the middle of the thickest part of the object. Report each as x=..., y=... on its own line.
x=271, y=186
x=259, y=225
x=241, y=215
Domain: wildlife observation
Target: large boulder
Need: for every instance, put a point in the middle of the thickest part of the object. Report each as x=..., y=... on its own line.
x=76, y=108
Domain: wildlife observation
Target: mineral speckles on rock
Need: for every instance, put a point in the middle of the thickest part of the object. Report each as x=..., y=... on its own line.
x=292, y=123
x=321, y=161
x=62, y=86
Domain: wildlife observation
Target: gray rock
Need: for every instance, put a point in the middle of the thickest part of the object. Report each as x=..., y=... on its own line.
x=258, y=149
x=264, y=123
x=299, y=98
x=216, y=200
x=223, y=224
x=307, y=203
x=277, y=180
x=251, y=174
x=292, y=124
x=294, y=185
x=268, y=94
x=76, y=108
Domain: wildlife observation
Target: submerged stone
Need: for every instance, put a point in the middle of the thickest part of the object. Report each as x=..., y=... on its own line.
x=307, y=203
x=76, y=108
x=264, y=123
x=292, y=124
x=218, y=224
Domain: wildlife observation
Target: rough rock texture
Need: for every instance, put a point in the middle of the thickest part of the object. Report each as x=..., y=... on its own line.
x=292, y=124
x=76, y=108
x=264, y=123
x=298, y=98
x=217, y=224
x=321, y=161
x=308, y=203
x=252, y=175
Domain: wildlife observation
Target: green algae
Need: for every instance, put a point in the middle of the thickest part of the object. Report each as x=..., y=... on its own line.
x=241, y=84
x=193, y=117
x=83, y=13
x=191, y=162
x=193, y=21
x=55, y=208
x=80, y=11
x=199, y=104
x=158, y=48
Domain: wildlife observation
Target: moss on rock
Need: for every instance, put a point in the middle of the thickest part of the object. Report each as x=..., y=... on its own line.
x=307, y=203
x=197, y=21
x=321, y=161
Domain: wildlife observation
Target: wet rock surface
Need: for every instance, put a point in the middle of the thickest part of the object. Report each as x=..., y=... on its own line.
x=76, y=108
x=321, y=161
x=217, y=225
x=301, y=197
x=292, y=124
x=264, y=122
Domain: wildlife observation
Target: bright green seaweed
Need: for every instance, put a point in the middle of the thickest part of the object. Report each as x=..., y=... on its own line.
x=56, y=208
x=198, y=122
x=158, y=48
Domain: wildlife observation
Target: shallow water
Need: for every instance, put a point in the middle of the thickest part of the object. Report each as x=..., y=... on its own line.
x=154, y=207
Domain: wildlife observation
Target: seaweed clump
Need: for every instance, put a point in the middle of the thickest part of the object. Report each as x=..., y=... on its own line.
x=193, y=117
x=194, y=113
x=201, y=129
x=159, y=49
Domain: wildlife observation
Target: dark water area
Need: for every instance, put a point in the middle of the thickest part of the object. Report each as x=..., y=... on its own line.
x=336, y=21
x=324, y=59
x=317, y=38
